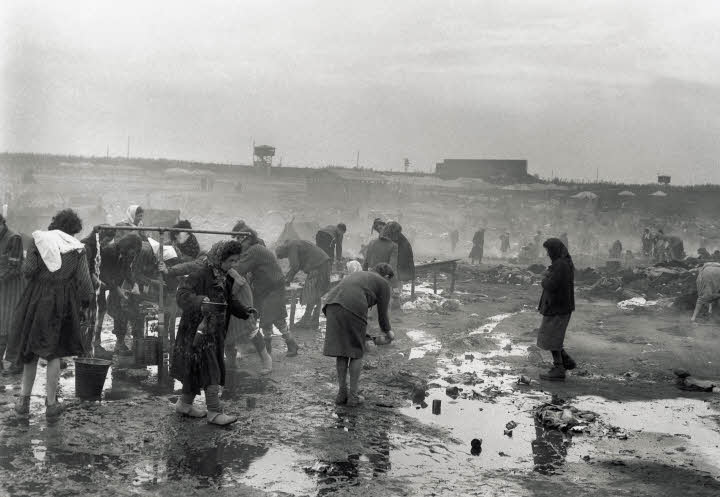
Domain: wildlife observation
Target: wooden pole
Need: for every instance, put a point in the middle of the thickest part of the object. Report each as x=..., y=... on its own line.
x=161, y=298
x=435, y=282
x=452, y=278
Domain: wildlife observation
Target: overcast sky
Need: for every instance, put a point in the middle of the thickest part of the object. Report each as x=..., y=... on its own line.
x=627, y=87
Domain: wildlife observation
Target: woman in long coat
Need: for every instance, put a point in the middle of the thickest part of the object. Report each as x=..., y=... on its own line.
x=49, y=312
x=346, y=310
x=557, y=304
x=205, y=296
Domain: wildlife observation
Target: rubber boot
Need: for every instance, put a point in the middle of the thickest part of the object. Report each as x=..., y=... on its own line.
x=22, y=405
x=230, y=357
x=267, y=363
x=292, y=347
x=568, y=362
x=557, y=373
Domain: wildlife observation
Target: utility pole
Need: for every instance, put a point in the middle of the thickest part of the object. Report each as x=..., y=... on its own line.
x=597, y=175
x=128, y=147
x=357, y=160
x=107, y=154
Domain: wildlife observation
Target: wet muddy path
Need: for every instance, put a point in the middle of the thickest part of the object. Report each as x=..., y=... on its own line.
x=450, y=378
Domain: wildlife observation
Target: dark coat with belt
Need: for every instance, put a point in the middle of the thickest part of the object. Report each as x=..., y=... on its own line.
x=558, y=295
x=203, y=364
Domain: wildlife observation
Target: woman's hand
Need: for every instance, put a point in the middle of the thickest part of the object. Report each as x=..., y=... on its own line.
x=162, y=267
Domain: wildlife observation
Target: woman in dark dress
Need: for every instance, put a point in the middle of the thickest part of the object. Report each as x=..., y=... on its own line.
x=49, y=312
x=346, y=310
x=557, y=304
x=198, y=354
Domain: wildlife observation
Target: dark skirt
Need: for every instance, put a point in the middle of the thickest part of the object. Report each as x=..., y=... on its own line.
x=47, y=320
x=345, y=333
x=552, y=332
x=271, y=307
x=317, y=284
x=477, y=252
x=201, y=365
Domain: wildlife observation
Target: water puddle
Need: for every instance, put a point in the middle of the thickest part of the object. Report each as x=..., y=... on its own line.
x=229, y=464
x=427, y=344
x=494, y=321
x=684, y=420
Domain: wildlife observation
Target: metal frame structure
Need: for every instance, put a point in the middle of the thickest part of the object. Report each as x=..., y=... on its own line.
x=160, y=230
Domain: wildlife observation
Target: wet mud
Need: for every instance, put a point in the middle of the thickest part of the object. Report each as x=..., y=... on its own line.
x=449, y=379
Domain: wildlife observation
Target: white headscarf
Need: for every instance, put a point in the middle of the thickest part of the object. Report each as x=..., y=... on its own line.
x=130, y=213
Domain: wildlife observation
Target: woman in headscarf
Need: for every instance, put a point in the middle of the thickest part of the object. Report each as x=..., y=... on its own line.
x=346, y=310
x=557, y=304
x=247, y=241
x=185, y=243
x=133, y=217
x=405, y=270
x=205, y=297
x=48, y=315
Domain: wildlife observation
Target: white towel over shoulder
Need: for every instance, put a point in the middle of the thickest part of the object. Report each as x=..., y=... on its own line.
x=52, y=244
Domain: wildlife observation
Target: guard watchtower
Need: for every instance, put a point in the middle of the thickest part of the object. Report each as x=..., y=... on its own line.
x=263, y=157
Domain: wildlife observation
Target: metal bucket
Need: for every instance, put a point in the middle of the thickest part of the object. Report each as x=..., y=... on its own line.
x=90, y=374
x=150, y=348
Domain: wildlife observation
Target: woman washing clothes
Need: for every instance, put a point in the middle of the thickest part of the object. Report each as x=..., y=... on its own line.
x=346, y=310
x=205, y=298
x=49, y=312
x=557, y=304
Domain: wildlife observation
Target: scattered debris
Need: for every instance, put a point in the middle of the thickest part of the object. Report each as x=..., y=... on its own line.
x=523, y=380
x=453, y=391
x=686, y=382
x=563, y=417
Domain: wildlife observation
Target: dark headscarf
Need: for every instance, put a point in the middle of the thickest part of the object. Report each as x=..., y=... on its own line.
x=391, y=231
x=190, y=247
x=557, y=250
x=128, y=243
x=377, y=225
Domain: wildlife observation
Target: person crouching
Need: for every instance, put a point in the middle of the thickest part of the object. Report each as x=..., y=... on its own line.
x=557, y=304
x=346, y=310
x=205, y=298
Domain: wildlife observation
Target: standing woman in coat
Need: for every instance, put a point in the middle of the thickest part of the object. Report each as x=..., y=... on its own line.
x=557, y=304
x=346, y=310
x=49, y=312
x=198, y=354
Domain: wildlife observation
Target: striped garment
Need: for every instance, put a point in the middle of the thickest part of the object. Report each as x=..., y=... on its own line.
x=12, y=282
x=317, y=284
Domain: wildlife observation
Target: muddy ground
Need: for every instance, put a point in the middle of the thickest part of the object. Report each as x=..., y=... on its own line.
x=650, y=438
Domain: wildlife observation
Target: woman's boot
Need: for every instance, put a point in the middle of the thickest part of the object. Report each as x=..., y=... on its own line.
x=230, y=357
x=354, y=398
x=267, y=363
x=292, y=347
x=557, y=373
x=22, y=405
x=568, y=362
